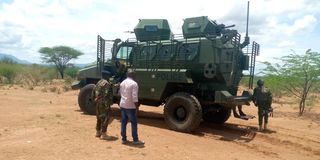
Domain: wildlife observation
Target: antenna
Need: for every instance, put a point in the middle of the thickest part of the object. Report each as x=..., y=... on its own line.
x=246, y=38
x=247, y=18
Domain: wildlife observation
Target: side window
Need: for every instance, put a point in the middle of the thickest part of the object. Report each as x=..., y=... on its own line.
x=165, y=53
x=144, y=53
x=124, y=52
x=187, y=52
x=148, y=52
x=134, y=54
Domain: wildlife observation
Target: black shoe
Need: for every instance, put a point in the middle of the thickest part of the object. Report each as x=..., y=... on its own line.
x=124, y=142
x=138, y=142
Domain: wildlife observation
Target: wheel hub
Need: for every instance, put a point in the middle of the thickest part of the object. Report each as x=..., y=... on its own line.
x=89, y=100
x=181, y=113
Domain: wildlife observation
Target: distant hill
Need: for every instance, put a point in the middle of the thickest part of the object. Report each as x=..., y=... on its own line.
x=81, y=65
x=19, y=61
x=15, y=59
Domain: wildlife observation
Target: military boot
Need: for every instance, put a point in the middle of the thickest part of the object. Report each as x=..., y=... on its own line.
x=260, y=128
x=104, y=136
x=265, y=127
x=98, y=134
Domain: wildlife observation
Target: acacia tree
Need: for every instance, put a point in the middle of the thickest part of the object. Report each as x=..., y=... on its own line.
x=59, y=56
x=297, y=74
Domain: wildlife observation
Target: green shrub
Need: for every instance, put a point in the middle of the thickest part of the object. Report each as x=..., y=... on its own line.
x=71, y=72
x=31, y=75
x=7, y=60
x=9, y=71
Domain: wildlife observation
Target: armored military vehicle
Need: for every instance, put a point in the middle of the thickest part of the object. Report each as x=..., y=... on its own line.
x=195, y=75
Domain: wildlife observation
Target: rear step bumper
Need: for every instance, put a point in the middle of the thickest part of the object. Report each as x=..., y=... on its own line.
x=224, y=97
x=76, y=85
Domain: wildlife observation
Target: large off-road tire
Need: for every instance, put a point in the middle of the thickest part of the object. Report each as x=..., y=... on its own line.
x=217, y=115
x=182, y=112
x=86, y=101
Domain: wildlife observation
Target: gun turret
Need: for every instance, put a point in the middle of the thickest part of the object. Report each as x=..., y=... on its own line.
x=152, y=30
x=230, y=26
x=202, y=27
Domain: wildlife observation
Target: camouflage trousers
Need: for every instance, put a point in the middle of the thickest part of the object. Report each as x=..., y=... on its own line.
x=263, y=114
x=103, y=114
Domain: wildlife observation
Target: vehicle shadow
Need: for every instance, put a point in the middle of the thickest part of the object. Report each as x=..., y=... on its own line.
x=224, y=132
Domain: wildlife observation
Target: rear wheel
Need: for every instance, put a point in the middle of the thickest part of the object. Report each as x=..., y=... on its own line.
x=86, y=101
x=216, y=114
x=182, y=112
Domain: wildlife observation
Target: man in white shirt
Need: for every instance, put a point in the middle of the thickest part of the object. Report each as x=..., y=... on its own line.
x=129, y=106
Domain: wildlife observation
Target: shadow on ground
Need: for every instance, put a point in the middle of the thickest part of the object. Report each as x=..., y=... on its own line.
x=225, y=132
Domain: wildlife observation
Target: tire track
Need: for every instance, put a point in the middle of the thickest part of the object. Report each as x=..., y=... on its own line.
x=242, y=136
x=232, y=136
x=289, y=144
x=297, y=137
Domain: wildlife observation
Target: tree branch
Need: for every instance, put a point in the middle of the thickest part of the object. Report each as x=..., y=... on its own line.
x=295, y=94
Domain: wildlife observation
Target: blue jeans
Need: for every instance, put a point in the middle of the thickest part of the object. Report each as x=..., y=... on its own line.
x=125, y=115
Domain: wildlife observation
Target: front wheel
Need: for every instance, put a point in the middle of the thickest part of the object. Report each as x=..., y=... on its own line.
x=86, y=101
x=182, y=112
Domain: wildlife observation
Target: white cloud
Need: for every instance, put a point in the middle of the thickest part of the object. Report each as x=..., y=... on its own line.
x=286, y=44
x=27, y=25
x=306, y=24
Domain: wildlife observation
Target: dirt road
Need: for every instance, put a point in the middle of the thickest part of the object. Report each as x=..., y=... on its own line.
x=45, y=125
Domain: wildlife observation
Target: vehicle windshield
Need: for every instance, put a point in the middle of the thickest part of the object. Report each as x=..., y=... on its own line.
x=124, y=52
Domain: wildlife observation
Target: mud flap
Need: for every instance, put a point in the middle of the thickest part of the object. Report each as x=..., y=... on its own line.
x=75, y=85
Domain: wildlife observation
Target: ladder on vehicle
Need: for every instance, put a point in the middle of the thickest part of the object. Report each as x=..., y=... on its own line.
x=104, y=48
x=255, y=51
x=100, y=54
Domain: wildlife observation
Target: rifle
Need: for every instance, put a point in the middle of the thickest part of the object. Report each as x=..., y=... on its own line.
x=100, y=96
x=270, y=112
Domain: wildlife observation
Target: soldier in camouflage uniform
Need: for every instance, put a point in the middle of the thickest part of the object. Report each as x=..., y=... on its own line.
x=103, y=95
x=262, y=97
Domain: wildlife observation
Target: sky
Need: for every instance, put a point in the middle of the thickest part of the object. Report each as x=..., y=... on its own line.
x=279, y=26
